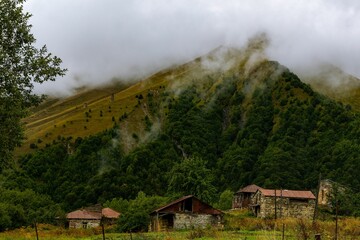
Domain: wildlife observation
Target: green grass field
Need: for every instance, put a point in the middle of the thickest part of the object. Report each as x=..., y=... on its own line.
x=175, y=235
x=237, y=226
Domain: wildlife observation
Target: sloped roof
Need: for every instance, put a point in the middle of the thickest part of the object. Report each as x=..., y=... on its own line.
x=173, y=202
x=287, y=193
x=214, y=210
x=84, y=214
x=249, y=189
x=93, y=215
x=110, y=213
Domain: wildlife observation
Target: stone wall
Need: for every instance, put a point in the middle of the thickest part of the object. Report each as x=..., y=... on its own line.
x=81, y=223
x=285, y=207
x=188, y=220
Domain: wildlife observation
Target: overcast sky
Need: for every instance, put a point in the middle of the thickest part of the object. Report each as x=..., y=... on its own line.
x=101, y=39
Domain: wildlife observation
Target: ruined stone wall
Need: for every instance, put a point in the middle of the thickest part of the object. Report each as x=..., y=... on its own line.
x=325, y=190
x=286, y=207
x=186, y=221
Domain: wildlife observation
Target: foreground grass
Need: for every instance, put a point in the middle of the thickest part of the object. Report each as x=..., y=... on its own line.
x=237, y=226
x=62, y=234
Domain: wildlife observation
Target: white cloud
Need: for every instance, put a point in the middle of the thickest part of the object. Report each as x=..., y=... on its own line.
x=98, y=40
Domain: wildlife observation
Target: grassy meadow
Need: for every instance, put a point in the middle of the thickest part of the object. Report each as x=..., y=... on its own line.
x=236, y=227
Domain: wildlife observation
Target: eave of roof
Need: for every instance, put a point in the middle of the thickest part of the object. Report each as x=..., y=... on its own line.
x=84, y=214
x=299, y=194
x=110, y=213
x=174, y=202
x=182, y=199
x=249, y=189
x=93, y=215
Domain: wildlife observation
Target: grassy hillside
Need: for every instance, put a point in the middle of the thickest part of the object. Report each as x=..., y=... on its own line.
x=94, y=110
x=88, y=112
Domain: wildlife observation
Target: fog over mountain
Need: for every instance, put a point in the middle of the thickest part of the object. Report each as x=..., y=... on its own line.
x=101, y=40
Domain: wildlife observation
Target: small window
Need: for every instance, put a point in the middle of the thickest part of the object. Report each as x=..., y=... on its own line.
x=188, y=205
x=84, y=225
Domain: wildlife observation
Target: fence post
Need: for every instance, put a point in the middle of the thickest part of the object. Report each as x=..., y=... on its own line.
x=37, y=236
x=103, y=231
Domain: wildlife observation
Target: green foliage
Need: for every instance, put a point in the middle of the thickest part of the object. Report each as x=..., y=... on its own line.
x=148, y=123
x=119, y=204
x=225, y=200
x=21, y=208
x=191, y=176
x=136, y=216
x=21, y=64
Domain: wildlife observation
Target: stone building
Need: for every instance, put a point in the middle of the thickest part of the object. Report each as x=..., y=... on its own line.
x=92, y=217
x=184, y=213
x=242, y=198
x=271, y=203
x=328, y=190
x=325, y=189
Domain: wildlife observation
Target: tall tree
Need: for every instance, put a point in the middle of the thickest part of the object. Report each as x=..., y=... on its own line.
x=191, y=176
x=21, y=65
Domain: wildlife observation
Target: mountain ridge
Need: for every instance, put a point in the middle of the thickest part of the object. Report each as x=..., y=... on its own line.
x=70, y=117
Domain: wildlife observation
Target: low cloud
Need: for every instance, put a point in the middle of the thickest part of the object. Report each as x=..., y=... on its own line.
x=100, y=40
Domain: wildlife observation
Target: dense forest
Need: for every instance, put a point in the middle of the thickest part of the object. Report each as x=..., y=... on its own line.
x=275, y=132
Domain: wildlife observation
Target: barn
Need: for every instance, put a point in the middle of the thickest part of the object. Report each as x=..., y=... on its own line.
x=184, y=213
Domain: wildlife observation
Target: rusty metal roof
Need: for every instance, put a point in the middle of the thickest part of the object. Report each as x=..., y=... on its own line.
x=287, y=193
x=93, y=215
x=84, y=214
x=249, y=189
x=110, y=213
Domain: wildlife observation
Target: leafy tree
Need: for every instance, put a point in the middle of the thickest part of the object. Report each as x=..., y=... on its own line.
x=21, y=208
x=225, y=200
x=136, y=216
x=21, y=64
x=191, y=176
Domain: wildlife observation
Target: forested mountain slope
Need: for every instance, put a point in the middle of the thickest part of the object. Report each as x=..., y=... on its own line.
x=221, y=122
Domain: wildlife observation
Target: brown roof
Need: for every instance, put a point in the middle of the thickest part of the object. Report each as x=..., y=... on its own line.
x=214, y=210
x=174, y=202
x=288, y=193
x=249, y=189
x=83, y=214
x=95, y=215
x=109, y=213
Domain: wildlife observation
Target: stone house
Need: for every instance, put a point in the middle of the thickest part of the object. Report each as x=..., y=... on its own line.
x=184, y=213
x=271, y=203
x=92, y=217
x=242, y=198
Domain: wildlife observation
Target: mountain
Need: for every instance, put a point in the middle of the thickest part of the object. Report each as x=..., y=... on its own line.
x=219, y=122
x=334, y=83
x=94, y=110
